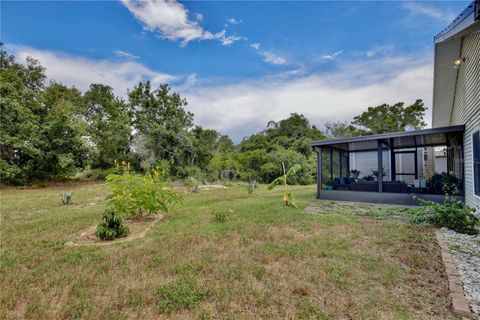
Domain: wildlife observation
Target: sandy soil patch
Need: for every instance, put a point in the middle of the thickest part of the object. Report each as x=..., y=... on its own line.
x=138, y=229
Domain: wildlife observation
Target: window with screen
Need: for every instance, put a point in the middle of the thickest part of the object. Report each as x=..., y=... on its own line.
x=476, y=162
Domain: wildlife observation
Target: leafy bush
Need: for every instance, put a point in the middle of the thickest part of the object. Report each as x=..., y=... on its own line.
x=66, y=198
x=453, y=214
x=272, y=169
x=191, y=184
x=111, y=226
x=134, y=194
x=221, y=215
x=95, y=174
x=444, y=183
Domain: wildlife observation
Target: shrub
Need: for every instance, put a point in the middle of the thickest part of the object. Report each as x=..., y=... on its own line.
x=453, y=214
x=272, y=169
x=221, y=215
x=95, y=174
x=134, y=194
x=66, y=198
x=444, y=183
x=111, y=226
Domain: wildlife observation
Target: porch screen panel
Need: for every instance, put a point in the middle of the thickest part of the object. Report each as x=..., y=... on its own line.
x=325, y=167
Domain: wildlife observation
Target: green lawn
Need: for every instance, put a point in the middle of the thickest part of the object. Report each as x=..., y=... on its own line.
x=266, y=261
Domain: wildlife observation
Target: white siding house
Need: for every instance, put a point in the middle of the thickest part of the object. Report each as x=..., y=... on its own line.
x=456, y=93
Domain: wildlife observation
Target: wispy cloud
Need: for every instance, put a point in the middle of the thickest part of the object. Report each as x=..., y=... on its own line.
x=170, y=20
x=233, y=21
x=428, y=10
x=255, y=45
x=228, y=40
x=272, y=58
x=332, y=56
x=243, y=108
x=268, y=56
x=81, y=72
x=125, y=54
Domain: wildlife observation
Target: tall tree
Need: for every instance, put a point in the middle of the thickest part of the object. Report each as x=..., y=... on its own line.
x=108, y=124
x=342, y=129
x=160, y=122
x=41, y=133
x=391, y=118
x=20, y=103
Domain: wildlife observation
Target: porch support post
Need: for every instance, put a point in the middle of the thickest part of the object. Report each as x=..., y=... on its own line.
x=392, y=161
x=319, y=171
x=348, y=164
x=416, y=163
x=380, y=165
x=331, y=164
x=340, y=161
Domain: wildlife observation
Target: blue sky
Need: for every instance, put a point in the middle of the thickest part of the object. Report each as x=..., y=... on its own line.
x=240, y=64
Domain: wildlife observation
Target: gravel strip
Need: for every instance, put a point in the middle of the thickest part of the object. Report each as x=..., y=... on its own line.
x=465, y=250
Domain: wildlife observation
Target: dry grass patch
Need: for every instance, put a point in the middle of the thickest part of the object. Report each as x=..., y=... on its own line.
x=265, y=261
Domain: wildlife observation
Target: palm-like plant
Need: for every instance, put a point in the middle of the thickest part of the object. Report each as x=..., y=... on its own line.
x=288, y=198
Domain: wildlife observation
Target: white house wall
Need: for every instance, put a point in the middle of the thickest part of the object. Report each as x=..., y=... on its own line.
x=466, y=107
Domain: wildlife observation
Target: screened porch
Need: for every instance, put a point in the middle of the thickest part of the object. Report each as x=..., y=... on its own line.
x=389, y=168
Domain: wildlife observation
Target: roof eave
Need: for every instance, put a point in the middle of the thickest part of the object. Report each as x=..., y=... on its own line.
x=449, y=129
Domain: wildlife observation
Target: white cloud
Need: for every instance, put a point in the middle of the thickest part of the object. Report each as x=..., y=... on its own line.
x=273, y=58
x=81, y=72
x=245, y=108
x=233, y=21
x=125, y=54
x=332, y=56
x=268, y=56
x=255, y=45
x=170, y=20
x=428, y=10
x=227, y=40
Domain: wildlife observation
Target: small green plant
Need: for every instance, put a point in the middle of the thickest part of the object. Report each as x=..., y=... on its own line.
x=221, y=215
x=112, y=226
x=452, y=213
x=288, y=198
x=66, y=198
x=134, y=195
x=251, y=186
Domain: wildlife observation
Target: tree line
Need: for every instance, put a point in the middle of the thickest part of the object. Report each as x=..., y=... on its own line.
x=50, y=131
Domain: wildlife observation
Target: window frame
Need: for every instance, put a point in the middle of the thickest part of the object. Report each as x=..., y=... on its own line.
x=475, y=130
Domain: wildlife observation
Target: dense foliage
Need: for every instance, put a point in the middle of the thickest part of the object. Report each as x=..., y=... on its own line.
x=134, y=195
x=453, y=214
x=52, y=131
x=380, y=119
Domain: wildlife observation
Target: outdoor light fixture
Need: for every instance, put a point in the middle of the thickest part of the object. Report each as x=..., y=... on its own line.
x=458, y=62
